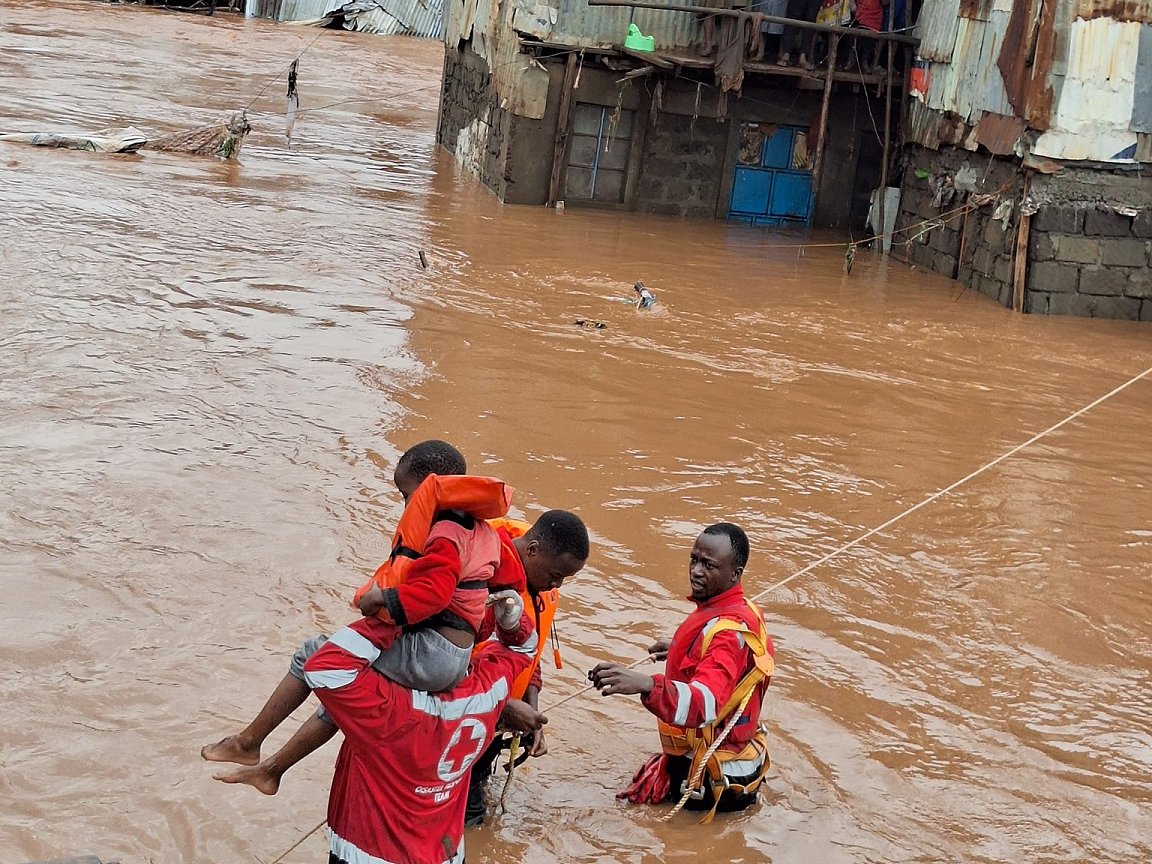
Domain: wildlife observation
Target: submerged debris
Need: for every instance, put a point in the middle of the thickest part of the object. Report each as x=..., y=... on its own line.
x=223, y=140
x=105, y=141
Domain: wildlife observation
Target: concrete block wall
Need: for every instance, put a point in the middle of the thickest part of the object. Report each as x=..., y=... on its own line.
x=1090, y=262
x=1084, y=258
x=683, y=165
x=988, y=244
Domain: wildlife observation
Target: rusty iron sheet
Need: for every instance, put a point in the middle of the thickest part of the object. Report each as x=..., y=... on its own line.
x=1025, y=60
x=937, y=30
x=1118, y=10
x=952, y=130
x=1040, y=94
x=999, y=134
x=1015, y=52
x=976, y=9
x=922, y=125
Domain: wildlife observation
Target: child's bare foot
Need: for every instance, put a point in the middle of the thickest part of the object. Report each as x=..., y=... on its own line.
x=232, y=749
x=256, y=776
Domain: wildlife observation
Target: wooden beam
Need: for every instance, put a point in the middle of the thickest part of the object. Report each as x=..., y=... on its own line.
x=887, y=155
x=818, y=162
x=636, y=73
x=1020, y=270
x=563, y=120
x=647, y=56
x=767, y=19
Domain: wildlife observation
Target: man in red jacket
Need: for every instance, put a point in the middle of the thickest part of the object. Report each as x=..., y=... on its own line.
x=718, y=666
x=401, y=779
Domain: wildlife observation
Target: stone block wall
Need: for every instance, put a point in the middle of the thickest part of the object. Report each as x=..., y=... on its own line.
x=1090, y=262
x=988, y=244
x=472, y=125
x=683, y=166
x=1084, y=257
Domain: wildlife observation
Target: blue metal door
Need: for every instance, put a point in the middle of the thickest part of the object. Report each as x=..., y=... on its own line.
x=773, y=182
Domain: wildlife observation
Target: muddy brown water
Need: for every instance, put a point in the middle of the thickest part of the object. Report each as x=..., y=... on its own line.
x=207, y=372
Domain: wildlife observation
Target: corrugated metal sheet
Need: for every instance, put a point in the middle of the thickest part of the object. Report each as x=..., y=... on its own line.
x=1118, y=10
x=289, y=10
x=923, y=125
x=1025, y=59
x=305, y=10
x=1142, y=98
x=936, y=30
x=999, y=134
x=971, y=84
x=1093, y=117
x=574, y=22
x=401, y=17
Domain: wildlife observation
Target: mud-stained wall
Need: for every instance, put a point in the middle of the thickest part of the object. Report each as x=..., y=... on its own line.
x=472, y=125
x=1085, y=256
x=683, y=155
x=683, y=166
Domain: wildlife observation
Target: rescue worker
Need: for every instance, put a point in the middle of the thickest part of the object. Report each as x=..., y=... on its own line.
x=400, y=782
x=718, y=666
x=530, y=563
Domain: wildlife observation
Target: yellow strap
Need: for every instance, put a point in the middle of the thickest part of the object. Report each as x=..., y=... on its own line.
x=700, y=740
x=758, y=642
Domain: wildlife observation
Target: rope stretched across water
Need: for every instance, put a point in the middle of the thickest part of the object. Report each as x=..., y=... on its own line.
x=933, y=497
x=839, y=551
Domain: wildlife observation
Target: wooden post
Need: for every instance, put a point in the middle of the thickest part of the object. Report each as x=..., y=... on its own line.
x=1020, y=271
x=818, y=162
x=562, y=122
x=963, y=243
x=881, y=229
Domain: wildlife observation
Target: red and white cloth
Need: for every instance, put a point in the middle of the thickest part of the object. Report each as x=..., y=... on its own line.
x=400, y=783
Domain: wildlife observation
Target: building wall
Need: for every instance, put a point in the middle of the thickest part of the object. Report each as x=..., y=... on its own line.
x=1084, y=257
x=683, y=166
x=683, y=155
x=472, y=125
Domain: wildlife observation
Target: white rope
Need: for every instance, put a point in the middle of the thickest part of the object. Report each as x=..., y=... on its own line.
x=698, y=774
x=849, y=545
x=947, y=489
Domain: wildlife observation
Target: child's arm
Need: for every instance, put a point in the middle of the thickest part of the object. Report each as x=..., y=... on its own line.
x=427, y=588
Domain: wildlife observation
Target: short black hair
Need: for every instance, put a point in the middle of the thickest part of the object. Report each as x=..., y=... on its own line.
x=736, y=537
x=560, y=532
x=432, y=457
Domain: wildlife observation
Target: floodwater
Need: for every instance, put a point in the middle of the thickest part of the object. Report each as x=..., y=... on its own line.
x=207, y=372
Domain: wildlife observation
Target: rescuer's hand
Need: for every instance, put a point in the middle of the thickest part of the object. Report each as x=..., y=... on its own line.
x=613, y=679
x=658, y=650
x=519, y=716
x=539, y=745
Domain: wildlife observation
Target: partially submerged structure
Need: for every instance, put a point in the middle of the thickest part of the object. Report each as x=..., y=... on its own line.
x=385, y=17
x=1026, y=126
x=1045, y=106
x=542, y=102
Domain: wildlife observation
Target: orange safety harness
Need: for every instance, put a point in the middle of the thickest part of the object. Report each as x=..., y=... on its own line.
x=698, y=743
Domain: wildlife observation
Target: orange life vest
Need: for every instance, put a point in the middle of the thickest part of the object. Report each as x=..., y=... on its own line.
x=482, y=497
x=544, y=607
